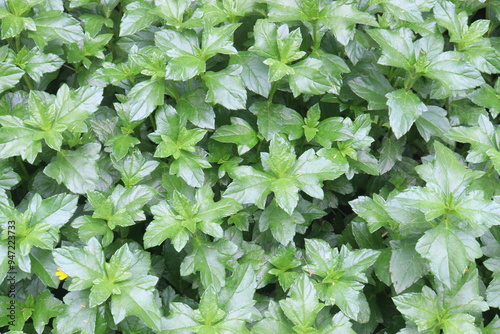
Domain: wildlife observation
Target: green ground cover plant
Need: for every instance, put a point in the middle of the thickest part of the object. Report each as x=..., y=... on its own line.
x=245, y=166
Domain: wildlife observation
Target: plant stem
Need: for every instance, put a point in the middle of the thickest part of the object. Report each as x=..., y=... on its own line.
x=152, y=120
x=410, y=81
x=316, y=38
x=28, y=82
x=67, y=66
x=274, y=87
x=25, y=175
x=171, y=89
x=18, y=44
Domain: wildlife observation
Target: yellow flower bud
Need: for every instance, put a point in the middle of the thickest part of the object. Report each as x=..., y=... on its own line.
x=61, y=274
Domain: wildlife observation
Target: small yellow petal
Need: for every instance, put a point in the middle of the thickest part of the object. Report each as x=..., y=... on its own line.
x=61, y=274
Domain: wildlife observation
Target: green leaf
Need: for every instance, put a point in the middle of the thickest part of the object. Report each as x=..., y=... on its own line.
x=225, y=137
x=239, y=133
x=136, y=18
x=371, y=210
x=77, y=169
x=137, y=301
x=433, y=122
x=43, y=265
x=82, y=265
x=406, y=266
x=193, y=105
x=190, y=167
x=281, y=224
x=445, y=309
x=447, y=17
x=218, y=312
x=51, y=116
x=124, y=277
x=284, y=261
x=180, y=318
x=289, y=44
x=36, y=64
x=11, y=75
x=487, y=97
x=165, y=226
x=302, y=306
x=94, y=23
x=73, y=107
x=373, y=88
x=184, y=68
x=89, y=227
x=446, y=172
x=214, y=211
x=13, y=25
x=460, y=323
x=18, y=139
x=266, y=36
x=175, y=140
x=238, y=293
x=493, y=326
x=135, y=167
x=483, y=139
x=493, y=290
x=208, y=309
x=76, y=317
x=282, y=10
x=276, y=118
x=466, y=296
x=46, y=307
x=421, y=308
x=285, y=176
x=311, y=169
x=56, y=25
x=145, y=97
x=218, y=40
x=397, y=47
x=172, y=11
x=449, y=252
x=123, y=207
x=340, y=276
x=179, y=218
x=477, y=212
x=254, y=72
x=226, y=88
x=307, y=78
x=176, y=44
x=332, y=68
x=210, y=259
x=281, y=156
x=39, y=226
x=454, y=73
x=251, y=186
x=404, y=108
x=468, y=38
x=404, y=10
x=121, y=144
x=8, y=177
x=286, y=193
x=342, y=18
x=277, y=69
x=275, y=321
x=390, y=153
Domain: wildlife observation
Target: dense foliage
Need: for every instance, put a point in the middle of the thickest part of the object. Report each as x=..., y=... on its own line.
x=246, y=166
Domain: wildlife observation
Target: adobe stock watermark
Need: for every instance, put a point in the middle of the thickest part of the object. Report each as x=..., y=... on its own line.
x=11, y=274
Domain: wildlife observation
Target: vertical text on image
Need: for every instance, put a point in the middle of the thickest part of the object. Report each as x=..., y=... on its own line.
x=11, y=274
